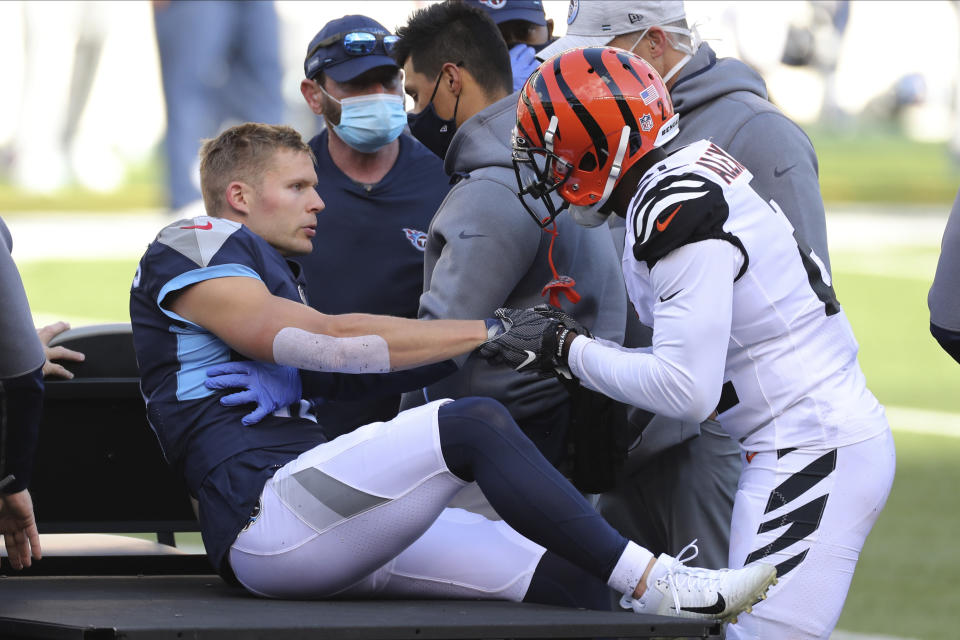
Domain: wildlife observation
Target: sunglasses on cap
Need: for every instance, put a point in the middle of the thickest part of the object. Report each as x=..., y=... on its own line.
x=359, y=43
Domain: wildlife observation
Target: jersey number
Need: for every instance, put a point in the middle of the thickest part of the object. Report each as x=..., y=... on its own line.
x=817, y=274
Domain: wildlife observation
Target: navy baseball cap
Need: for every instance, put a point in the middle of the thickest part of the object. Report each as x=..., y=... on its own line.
x=349, y=46
x=503, y=10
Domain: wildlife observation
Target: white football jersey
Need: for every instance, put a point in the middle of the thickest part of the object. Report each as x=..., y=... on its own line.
x=790, y=376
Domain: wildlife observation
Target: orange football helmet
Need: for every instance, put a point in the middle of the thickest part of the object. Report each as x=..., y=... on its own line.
x=583, y=119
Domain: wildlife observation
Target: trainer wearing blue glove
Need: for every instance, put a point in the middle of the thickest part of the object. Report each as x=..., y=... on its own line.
x=525, y=28
x=270, y=387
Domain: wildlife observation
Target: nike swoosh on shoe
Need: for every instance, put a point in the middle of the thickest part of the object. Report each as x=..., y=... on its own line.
x=714, y=609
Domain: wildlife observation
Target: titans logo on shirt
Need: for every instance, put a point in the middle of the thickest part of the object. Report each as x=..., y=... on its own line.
x=417, y=238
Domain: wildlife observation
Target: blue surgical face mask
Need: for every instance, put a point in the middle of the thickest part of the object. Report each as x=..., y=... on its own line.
x=369, y=123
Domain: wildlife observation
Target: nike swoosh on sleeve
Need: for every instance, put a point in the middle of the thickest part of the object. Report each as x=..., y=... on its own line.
x=777, y=174
x=663, y=225
x=466, y=236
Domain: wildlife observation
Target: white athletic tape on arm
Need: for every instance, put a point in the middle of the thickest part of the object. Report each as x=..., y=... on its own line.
x=318, y=352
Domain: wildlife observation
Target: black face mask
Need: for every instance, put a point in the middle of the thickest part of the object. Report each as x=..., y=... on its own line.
x=430, y=129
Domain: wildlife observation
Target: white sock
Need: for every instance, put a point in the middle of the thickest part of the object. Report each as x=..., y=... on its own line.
x=629, y=570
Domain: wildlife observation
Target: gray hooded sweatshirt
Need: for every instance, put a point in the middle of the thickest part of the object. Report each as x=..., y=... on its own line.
x=484, y=252
x=944, y=297
x=725, y=101
x=20, y=349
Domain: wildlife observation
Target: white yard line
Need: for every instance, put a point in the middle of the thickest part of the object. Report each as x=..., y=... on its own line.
x=938, y=423
x=49, y=236
x=850, y=635
x=865, y=227
x=45, y=235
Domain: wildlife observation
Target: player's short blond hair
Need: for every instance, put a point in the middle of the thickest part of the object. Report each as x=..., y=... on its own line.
x=241, y=153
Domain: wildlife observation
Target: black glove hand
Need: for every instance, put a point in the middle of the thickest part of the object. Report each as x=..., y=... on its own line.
x=564, y=318
x=528, y=341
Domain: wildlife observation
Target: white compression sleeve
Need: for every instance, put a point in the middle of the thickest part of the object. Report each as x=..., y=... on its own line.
x=681, y=377
x=318, y=352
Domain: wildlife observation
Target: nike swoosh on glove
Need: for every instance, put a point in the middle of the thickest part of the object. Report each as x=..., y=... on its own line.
x=528, y=341
x=269, y=386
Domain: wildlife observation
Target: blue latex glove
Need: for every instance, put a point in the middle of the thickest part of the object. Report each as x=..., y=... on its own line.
x=269, y=386
x=523, y=62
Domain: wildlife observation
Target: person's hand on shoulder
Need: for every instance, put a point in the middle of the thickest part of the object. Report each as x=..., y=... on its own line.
x=50, y=368
x=19, y=529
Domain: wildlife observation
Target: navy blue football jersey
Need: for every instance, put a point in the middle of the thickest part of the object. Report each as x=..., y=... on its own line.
x=198, y=435
x=368, y=251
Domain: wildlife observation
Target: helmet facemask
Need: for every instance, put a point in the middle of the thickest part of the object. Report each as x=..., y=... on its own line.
x=540, y=172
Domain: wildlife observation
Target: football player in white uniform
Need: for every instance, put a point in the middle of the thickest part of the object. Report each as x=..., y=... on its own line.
x=746, y=327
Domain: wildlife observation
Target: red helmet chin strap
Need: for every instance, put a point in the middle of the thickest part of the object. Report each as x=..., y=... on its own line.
x=559, y=284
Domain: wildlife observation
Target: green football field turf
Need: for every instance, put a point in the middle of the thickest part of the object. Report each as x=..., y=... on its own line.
x=904, y=583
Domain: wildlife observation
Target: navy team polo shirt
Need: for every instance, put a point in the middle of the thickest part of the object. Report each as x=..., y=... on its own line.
x=368, y=252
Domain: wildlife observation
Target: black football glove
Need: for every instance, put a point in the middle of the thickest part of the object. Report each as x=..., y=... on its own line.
x=564, y=318
x=528, y=341
x=569, y=323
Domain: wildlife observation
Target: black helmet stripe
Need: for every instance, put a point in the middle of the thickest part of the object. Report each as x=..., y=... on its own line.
x=595, y=58
x=593, y=129
x=624, y=57
x=525, y=99
x=540, y=86
x=523, y=133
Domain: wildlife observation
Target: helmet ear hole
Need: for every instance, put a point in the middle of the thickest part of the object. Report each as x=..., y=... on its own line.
x=588, y=162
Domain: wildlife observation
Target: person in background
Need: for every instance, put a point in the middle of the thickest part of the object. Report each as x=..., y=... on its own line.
x=24, y=359
x=219, y=61
x=725, y=101
x=381, y=187
x=482, y=251
x=525, y=28
x=944, y=297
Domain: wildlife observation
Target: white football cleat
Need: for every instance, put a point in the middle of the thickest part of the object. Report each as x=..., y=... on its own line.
x=674, y=589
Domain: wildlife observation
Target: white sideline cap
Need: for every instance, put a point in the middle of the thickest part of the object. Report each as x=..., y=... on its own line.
x=594, y=23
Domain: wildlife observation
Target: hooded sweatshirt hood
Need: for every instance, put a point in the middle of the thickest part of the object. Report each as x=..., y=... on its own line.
x=480, y=142
x=705, y=78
